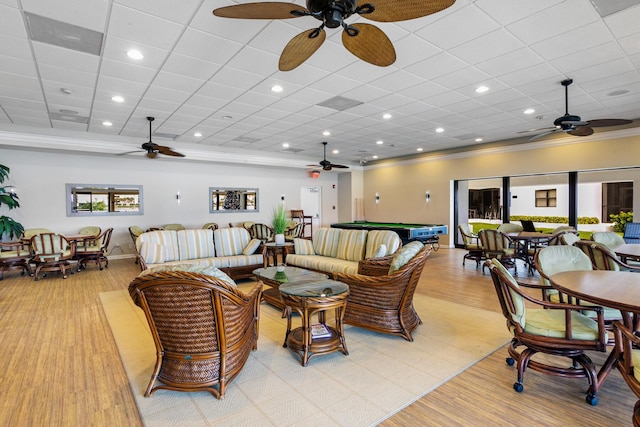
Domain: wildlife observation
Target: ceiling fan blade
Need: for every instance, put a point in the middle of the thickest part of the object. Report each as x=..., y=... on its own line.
x=263, y=10
x=537, y=130
x=543, y=134
x=300, y=48
x=339, y=166
x=168, y=151
x=608, y=122
x=401, y=10
x=581, y=131
x=371, y=44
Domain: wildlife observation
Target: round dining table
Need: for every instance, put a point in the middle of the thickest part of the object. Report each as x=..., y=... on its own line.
x=615, y=289
x=627, y=250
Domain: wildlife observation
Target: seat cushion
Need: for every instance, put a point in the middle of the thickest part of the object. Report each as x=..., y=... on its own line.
x=167, y=238
x=323, y=263
x=375, y=238
x=635, y=359
x=230, y=241
x=192, y=268
x=253, y=246
x=303, y=246
x=326, y=241
x=195, y=244
x=550, y=323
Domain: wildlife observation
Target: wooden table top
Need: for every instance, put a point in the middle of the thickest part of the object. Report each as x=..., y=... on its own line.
x=615, y=289
x=628, y=249
x=529, y=235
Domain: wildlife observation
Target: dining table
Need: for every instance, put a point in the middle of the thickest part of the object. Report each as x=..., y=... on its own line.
x=627, y=251
x=615, y=289
x=527, y=240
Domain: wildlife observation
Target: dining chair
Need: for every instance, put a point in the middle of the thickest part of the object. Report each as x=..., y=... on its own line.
x=472, y=244
x=604, y=258
x=15, y=255
x=508, y=227
x=51, y=252
x=176, y=227
x=608, y=238
x=94, y=249
x=294, y=232
x=261, y=232
x=498, y=245
x=211, y=225
x=558, y=330
x=628, y=363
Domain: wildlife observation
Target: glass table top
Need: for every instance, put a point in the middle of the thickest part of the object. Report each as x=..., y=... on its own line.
x=320, y=288
x=285, y=274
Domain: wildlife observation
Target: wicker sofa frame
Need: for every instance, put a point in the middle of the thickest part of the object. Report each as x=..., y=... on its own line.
x=203, y=328
x=383, y=302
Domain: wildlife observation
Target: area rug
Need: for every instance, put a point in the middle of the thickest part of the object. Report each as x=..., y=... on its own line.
x=381, y=375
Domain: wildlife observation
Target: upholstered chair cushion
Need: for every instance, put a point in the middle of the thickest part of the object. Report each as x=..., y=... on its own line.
x=551, y=323
x=375, y=238
x=152, y=253
x=195, y=244
x=231, y=241
x=352, y=244
x=404, y=255
x=253, y=246
x=192, y=268
x=635, y=358
x=166, y=238
x=325, y=241
x=518, y=314
x=303, y=247
x=607, y=238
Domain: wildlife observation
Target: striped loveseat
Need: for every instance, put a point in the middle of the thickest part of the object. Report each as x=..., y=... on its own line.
x=335, y=250
x=232, y=250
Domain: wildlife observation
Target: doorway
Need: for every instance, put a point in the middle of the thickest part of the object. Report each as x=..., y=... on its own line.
x=311, y=204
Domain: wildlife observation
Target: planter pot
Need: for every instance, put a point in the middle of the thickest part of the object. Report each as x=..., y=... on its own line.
x=279, y=239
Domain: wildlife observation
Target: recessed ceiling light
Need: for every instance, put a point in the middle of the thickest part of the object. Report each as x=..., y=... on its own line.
x=374, y=157
x=326, y=133
x=379, y=142
x=478, y=139
x=117, y=98
x=227, y=117
x=276, y=88
x=285, y=145
x=386, y=116
x=418, y=149
x=67, y=111
x=529, y=111
x=335, y=151
x=481, y=89
x=65, y=91
x=197, y=134
x=106, y=123
x=439, y=130
x=618, y=92
x=135, y=54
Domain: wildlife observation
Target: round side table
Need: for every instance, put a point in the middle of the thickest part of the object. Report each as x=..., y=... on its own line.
x=309, y=299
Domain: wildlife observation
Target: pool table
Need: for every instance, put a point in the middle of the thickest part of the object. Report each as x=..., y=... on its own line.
x=426, y=233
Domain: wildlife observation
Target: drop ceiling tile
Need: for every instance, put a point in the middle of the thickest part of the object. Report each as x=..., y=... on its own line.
x=144, y=28
x=125, y=71
x=29, y=83
x=190, y=67
x=11, y=22
x=236, y=78
x=176, y=97
x=177, y=82
x=71, y=59
x=588, y=58
x=487, y=46
x=554, y=21
x=179, y=12
x=474, y=21
x=206, y=47
x=630, y=44
x=24, y=108
x=15, y=46
x=85, y=14
x=30, y=121
x=412, y=49
x=533, y=73
x=239, y=30
x=436, y=66
x=508, y=11
x=103, y=105
x=608, y=68
x=115, y=48
x=508, y=63
x=624, y=24
x=125, y=88
x=571, y=41
x=463, y=78
x=251, y=59
x=11, y=3
x=17, y=66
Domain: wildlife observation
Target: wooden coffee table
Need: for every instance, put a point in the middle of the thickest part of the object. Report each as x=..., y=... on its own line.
x=309, y=299
x=276, y=276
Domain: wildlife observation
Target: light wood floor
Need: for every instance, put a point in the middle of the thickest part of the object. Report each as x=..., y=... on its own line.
x=60, y=365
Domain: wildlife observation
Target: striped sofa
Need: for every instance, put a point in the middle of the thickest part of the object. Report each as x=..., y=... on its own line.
x=335, y=250
x=232, y=250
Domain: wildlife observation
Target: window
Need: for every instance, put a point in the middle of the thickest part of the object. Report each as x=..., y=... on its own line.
x=616, y=197
x=233, y=199
x=91, y=199
x=546, y=198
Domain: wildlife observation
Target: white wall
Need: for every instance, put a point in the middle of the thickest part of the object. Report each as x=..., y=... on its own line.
x=40, y=180
x=589, y=200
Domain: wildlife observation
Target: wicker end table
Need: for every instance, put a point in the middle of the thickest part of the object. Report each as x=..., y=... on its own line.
x=309, y=299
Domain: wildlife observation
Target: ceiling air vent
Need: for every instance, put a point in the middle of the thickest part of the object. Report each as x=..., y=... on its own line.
x=58, y=33
x=69, y=118
x=339, y=103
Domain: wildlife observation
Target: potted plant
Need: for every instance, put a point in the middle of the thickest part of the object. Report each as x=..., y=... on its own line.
x=8, y=227
x=279, y=223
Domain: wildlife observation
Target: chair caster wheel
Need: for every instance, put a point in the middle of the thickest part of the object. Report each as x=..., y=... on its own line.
x=592, y=399
x=518, y=387
x=510, y=361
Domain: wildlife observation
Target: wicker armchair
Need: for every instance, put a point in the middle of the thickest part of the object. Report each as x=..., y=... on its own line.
x=628, y=344
x=52, y=252
x=204, y=329
x=15, y=255
x=384, y=302
x=94, y=249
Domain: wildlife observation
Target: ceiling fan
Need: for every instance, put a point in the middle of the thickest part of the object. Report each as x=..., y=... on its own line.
x=325, y=164
x=365, y=41
x=574, y=125
x=153, y=149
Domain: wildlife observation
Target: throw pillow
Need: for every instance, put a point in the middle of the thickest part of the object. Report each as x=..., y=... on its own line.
x=253, y=246
x=404, y=255
x=303, y=247
x=152, y=253
x=192, y=268
x=381, y=251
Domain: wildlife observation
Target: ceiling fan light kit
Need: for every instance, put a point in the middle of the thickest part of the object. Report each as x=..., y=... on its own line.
x=365, y=41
